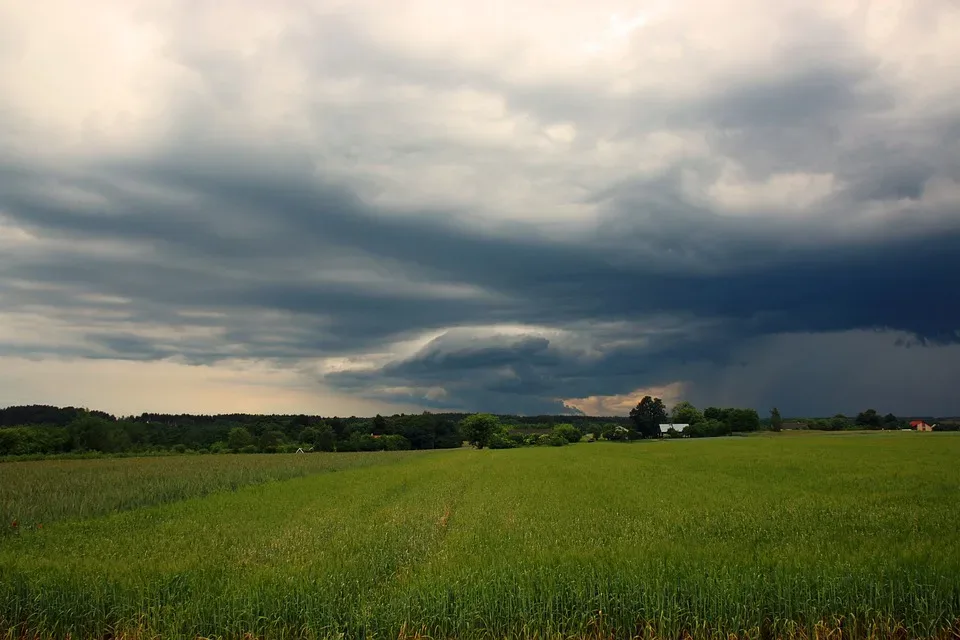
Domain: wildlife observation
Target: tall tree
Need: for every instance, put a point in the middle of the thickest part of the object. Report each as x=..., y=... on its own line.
x=685, y=413
x=869, y=419
x=647, y=417
x=743, y=420
x=776, y=422
x=326, y=439
x=479, y=429
x=715, y=413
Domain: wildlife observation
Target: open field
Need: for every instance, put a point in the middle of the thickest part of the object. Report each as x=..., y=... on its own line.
x=42, y=492
x=763, y=536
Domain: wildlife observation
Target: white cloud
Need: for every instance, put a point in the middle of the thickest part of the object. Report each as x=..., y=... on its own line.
x=789, y=193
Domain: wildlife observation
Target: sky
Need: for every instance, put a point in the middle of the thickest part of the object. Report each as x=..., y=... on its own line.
x=526, y=206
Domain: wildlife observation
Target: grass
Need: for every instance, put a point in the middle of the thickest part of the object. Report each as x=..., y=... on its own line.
x=43, y=492
x=751, y=536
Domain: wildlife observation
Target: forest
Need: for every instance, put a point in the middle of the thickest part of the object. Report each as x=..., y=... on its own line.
x=45, y=430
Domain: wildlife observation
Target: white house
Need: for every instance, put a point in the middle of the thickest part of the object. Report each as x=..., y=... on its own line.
x=676, y=427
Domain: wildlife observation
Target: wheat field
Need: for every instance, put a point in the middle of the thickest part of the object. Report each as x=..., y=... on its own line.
x=762, y=537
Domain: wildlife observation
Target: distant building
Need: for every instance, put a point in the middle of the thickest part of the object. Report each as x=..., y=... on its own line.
x=920, y=425
x=664, y=428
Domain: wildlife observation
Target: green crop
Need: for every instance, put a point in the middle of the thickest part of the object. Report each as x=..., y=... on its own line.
x=42, y=492
x=845, y=536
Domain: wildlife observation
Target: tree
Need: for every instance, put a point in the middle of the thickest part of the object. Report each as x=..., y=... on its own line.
x=479, y=428
x=339, y=428
x=309, y=436
x=869, y=419
x=839, y=422
x=239, y=438
x=270, y=440
x=743, y=420
x=94, y=433
x=685, y=413
x=776, y=422
x=715, y=413
x=647, y=417
x=326, y=439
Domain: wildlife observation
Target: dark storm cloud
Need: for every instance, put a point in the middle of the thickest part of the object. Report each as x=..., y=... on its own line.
x=192, y=265
x=220, y=250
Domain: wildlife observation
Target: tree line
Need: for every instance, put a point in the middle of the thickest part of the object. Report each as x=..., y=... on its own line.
x=43, y=430
x=47, y=430
x=495, y=432
x=870, y=420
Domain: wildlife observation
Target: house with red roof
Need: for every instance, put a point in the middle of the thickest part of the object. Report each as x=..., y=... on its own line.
x=920, y=425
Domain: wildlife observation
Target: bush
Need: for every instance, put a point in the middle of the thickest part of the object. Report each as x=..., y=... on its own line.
x=500, y=441
x=615, y=432
x=568, y=432
x=250, y=448
x=551, y=440
x=556, y=440
x=708, y=429
x=394, y=443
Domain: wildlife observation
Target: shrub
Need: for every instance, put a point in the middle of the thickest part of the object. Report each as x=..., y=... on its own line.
x=568, y=432
x=394, y=443
x=551, y=440
x=500, y=441
x=615, y=432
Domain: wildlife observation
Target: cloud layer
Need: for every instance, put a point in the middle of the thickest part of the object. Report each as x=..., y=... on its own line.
x=526, y=208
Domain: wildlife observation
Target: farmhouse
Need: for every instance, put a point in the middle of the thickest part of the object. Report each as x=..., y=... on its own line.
x=920, y=425
x=664, y=428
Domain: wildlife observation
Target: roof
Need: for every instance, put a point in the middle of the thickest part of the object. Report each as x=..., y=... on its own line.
x=917, y=423
x=677, y=427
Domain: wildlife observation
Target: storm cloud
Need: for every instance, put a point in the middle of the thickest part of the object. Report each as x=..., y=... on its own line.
x=530, y=209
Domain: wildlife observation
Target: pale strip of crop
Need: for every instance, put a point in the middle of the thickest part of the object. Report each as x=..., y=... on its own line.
x=758, y=536
x=42, y=492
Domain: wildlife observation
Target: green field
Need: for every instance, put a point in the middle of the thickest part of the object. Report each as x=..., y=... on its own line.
x=38, y=493
x=791, y=536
